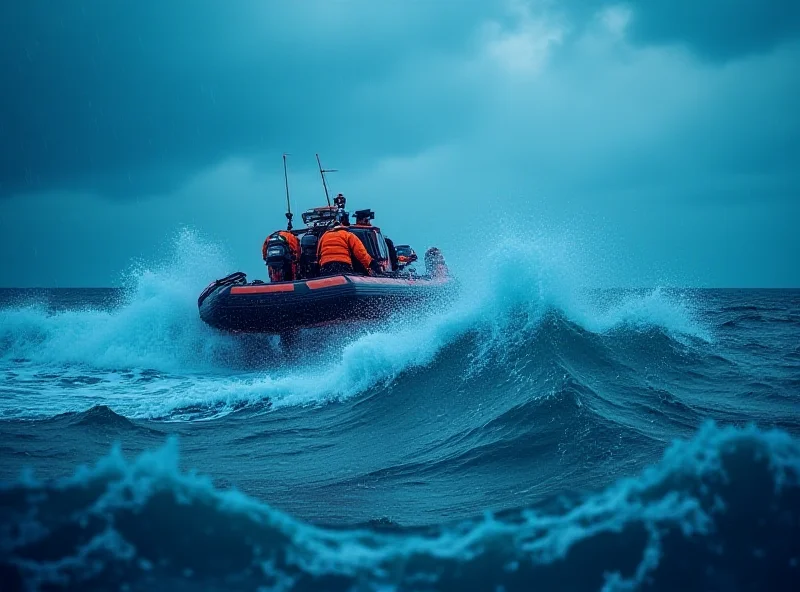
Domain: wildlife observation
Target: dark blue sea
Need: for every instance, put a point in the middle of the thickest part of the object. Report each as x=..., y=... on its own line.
x=532, y=435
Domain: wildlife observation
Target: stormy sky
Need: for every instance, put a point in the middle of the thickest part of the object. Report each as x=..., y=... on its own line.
x=659, y=138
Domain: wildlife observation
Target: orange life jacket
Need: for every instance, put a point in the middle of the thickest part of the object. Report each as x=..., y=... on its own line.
x=340, y=245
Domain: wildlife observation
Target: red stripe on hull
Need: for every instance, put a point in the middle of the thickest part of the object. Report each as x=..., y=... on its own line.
x=336, y=280
x=265, y=289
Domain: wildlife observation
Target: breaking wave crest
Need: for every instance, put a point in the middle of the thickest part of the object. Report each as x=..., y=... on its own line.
x=720, y=509
x=156, y=328
x=154, y=325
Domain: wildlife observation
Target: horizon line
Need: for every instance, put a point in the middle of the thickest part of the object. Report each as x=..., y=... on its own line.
x=640, y=287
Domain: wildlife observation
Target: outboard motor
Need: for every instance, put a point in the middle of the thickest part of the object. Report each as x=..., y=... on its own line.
x=279, y=260
x=308, y=256
x=405, y=255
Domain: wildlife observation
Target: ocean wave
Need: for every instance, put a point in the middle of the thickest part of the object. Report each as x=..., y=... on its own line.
x=720, y=511
x=157, y=328
x=154, y=325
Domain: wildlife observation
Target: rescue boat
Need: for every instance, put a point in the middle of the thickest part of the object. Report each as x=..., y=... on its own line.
x=237, y=305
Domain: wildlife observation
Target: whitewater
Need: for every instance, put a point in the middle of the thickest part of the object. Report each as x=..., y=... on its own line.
x=537, y=433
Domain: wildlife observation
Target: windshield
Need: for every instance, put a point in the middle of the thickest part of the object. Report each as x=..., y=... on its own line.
x=373, y=242
x=384, y=253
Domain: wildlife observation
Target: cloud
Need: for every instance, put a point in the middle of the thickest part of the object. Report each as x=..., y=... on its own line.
x=130, y=98
x=667, y=164
x=525, y=48
x=719, y=30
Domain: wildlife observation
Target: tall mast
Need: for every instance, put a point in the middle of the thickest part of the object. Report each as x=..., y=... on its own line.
x=289, y=214
x=324, y=184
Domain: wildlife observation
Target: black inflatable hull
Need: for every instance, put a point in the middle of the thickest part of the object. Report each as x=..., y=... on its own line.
x=284, y=307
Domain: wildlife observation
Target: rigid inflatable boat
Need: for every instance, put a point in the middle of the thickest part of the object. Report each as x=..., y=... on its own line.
x=307, y=299
x=236, y=305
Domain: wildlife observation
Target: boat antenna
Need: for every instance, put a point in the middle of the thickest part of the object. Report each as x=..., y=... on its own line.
x=289, y=214
x=322, y=174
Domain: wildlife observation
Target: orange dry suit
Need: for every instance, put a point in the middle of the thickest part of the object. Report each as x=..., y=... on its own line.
x=339, y=245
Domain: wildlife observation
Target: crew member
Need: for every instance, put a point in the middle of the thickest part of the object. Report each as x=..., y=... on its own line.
x=341, y=215
x=336, y=250
x=289, y=270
